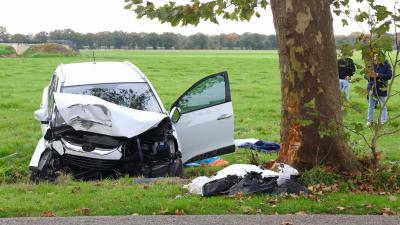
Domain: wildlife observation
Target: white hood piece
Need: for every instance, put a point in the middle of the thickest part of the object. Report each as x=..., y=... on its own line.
x=92, y=114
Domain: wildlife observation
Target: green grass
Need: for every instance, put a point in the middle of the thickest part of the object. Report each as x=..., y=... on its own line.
x=122, y=197
x=6, y=50
x=255, y=86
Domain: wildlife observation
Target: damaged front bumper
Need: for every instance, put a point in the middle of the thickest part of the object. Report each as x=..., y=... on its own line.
x=99, y=138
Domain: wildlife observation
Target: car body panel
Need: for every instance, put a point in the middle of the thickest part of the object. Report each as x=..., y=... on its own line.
x=206, y=125
x=92, y=114
x=99, y=73
x=201, y=131
x=40, y=148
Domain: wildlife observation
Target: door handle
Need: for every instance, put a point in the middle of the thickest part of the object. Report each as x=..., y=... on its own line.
x=224, y=116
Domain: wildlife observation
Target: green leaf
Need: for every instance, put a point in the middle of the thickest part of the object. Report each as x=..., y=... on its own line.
x=361, y=17
x=385, y=43
x=381, y=12
x=344, y=22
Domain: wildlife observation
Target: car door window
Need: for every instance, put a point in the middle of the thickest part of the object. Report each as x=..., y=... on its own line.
x=207, y=92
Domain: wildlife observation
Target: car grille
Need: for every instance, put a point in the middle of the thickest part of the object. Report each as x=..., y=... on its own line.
x=89, y=163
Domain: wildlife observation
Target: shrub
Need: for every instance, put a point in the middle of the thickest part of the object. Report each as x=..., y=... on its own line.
x=319, y=176
x=6, y=50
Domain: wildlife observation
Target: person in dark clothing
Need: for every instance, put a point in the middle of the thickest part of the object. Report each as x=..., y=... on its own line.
x=377, y=89
x=346, y=68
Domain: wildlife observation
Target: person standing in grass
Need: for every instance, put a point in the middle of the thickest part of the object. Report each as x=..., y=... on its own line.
x=380, y=74
x=346, y=68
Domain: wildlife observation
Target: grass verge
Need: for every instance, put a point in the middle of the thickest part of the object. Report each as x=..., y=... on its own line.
x=6, y=50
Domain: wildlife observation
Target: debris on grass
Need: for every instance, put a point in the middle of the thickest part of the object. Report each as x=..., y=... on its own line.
x=48, y=213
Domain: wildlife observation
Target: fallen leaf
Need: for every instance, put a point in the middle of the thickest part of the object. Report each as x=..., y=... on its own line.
x=387, y=211
x=85, y=211
x=238, y=195
x=258, y=211
x=179, y=212
x=294, y=196
x=287, y=223
x=392, y=198
x=340, y=208
x=272, y=201
x=301, y=213
x=48, y=213
x=163, y=211
x=247, y=209
x=368, y=206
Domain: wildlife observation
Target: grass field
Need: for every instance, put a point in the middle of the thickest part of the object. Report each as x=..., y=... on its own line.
x=255, y=87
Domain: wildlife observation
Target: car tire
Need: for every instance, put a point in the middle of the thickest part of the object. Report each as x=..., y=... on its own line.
x=176, y=168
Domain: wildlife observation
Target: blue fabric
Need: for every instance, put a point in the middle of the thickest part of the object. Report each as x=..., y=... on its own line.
x=372, y=101
x=263, y=146
x=202, y=162
x=344, y=86
x=385, y=73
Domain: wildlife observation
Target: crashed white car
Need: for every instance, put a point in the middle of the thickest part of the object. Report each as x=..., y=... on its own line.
x=105, y=119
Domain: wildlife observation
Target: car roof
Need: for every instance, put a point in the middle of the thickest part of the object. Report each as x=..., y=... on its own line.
x=99, y=73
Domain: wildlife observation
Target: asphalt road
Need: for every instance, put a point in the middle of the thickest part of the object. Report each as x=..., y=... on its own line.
x=209, y=220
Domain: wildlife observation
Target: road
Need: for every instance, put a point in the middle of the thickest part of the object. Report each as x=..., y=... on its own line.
x=209, y=220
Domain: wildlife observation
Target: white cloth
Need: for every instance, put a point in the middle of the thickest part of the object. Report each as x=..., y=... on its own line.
x=285, y=172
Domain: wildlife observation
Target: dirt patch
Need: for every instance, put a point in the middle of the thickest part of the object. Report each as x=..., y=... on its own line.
x=50, y=50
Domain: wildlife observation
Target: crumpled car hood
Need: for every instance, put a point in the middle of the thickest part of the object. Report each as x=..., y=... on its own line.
x=92, y=114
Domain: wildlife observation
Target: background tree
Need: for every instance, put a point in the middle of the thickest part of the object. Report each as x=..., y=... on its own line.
x=310, y=96
x=4, y=35
x=198, y=41
x=21, y=38
x=168, y=40
x=153, y=40
x=41, y=37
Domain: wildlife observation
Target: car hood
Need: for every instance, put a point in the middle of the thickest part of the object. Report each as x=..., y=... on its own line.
x=92, y=114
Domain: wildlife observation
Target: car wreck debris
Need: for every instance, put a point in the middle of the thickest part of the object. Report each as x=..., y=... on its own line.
x=248, y=179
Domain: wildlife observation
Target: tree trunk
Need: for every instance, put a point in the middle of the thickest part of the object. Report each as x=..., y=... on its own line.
x=311, y=131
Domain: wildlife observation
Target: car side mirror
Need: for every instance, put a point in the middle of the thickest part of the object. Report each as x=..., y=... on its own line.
x=41, y=115
x=175, y=114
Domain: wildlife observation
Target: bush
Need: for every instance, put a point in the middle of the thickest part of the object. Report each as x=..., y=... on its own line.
x=50, y=50
x=6, y=50
x=319, y=176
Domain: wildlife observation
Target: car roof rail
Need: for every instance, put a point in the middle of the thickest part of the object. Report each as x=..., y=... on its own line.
x=141, y=74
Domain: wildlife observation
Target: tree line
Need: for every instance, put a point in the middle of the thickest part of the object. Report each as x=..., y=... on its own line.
x=168, y=40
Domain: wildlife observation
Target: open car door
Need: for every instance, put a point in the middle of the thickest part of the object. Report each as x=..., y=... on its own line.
x=203, y=119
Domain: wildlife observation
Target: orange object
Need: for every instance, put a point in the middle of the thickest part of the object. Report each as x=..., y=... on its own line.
x=219, y=162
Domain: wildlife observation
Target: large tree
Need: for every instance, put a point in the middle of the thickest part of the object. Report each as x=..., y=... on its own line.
x=311, y=131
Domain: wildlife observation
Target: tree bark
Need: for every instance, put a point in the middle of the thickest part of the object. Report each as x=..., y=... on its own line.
x=311, y=131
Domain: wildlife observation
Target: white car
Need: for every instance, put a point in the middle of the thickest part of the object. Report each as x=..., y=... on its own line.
x=105, y=119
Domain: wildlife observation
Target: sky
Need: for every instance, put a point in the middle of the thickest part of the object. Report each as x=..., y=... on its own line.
x=33, y=16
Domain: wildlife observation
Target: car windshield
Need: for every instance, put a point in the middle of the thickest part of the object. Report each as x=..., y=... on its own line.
x=133, y=95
